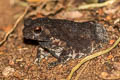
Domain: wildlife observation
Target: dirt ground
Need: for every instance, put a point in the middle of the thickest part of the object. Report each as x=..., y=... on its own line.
x=17, y=58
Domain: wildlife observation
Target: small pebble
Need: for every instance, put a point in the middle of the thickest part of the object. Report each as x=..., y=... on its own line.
x=8, y=71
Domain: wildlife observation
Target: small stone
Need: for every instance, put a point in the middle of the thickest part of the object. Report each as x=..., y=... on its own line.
x=117, y=65
x=104, y=74
x=8, y=71
x=26, y=79
x=18, y=74
x=11, y=62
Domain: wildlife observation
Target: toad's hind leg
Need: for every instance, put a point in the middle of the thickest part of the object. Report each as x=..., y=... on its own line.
x=63, y=57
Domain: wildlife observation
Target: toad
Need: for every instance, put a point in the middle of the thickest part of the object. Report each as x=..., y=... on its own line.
x=64, y=39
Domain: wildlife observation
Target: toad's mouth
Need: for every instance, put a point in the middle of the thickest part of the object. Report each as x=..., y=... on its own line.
x=30, y=41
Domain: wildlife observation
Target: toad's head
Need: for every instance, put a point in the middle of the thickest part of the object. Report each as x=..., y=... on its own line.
x=35, y=30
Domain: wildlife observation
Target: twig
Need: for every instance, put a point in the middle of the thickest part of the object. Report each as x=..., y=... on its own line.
x=15, y=25
x=92, y=57
x=94, y=5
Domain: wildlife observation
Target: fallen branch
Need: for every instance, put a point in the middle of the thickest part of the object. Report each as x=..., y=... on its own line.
x=92, y=57
x=15, y=25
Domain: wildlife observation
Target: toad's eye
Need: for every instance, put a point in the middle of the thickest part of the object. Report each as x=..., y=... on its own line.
x=37, y=30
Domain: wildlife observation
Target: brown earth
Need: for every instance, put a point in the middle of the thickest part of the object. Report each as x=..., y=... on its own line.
x=17, y=58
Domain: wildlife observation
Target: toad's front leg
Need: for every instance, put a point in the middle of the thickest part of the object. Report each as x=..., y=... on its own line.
x=60, y=53
x=43, y=51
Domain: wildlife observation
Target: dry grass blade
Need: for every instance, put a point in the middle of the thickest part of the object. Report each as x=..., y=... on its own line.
x=15, y=25
x=94, y=5
x=80, y=72
x=92, y=57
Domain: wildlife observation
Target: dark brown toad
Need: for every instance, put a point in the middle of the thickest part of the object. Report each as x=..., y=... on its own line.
x=64, y=39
